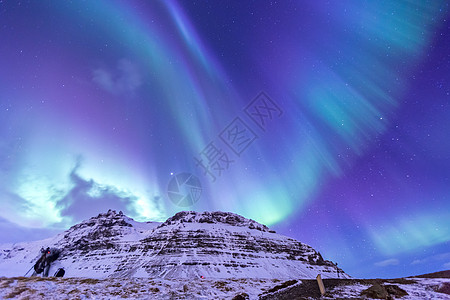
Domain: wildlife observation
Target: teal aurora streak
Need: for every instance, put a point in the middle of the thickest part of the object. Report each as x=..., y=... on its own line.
x=102, y=101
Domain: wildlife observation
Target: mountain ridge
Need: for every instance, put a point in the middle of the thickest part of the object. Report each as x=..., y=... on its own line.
x=188, y=244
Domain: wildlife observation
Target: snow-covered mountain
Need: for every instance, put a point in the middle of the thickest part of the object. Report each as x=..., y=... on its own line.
x=187, y=245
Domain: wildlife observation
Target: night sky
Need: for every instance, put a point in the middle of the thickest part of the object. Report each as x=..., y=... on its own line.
x=328, y=121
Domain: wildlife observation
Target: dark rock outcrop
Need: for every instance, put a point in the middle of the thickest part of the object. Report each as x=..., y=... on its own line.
x=380, y=291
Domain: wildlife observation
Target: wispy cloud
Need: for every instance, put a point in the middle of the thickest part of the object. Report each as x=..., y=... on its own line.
x=125, y=79
x=88, y=198
x=81, y=203
x=447, y=265
x=12, y=233
x=429, y=228
x=434, y=258
x=42, y=204
x=387, y=262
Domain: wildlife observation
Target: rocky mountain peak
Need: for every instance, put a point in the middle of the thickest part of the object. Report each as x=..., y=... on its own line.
x=109, y=219
x=188, y=245
x=98, y=231
x=215, y=217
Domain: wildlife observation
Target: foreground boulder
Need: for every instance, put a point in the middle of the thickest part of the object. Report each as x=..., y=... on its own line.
x=380, y=291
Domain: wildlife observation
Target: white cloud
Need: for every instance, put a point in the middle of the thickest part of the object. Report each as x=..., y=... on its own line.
x=447, y=266
x=434, y=258
x=125, y=79
x=418, y=261
x=104, y=79
x=387, y=262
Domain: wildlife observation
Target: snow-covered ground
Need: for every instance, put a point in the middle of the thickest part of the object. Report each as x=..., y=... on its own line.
x=132, y=288
x=145, y=288
x=424, y=288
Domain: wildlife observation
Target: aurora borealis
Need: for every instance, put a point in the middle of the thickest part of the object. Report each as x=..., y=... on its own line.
x=102, y=102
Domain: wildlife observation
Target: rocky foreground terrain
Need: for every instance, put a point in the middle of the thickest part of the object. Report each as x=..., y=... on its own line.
x=237, y=289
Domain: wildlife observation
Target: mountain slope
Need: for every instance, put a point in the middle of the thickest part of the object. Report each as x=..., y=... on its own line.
x=187, y=245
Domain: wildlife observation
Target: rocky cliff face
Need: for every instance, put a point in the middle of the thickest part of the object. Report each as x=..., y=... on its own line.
x=187, y=245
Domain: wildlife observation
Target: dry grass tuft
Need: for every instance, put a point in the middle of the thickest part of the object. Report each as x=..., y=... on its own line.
x=4, y=283
x=222, y=285
x=16, y=292
x=117, y=284
x=89, y=281
x=74, y=291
